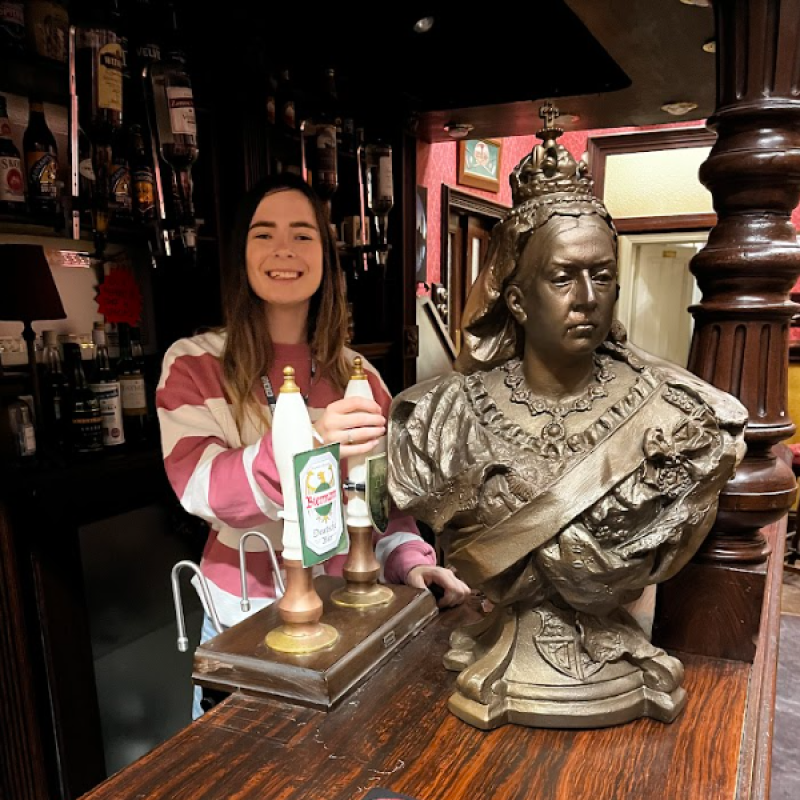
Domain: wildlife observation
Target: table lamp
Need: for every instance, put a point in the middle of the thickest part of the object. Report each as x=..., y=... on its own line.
x=28, y=293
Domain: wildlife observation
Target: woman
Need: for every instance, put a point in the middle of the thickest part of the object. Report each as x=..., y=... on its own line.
x=568, y=470
x=284, y=305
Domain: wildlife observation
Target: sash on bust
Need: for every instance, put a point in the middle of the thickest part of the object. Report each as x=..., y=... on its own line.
x=479, y=556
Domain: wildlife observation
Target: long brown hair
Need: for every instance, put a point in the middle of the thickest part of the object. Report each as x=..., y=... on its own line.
x=248, y=351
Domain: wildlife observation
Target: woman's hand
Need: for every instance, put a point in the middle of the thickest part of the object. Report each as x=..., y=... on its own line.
x=455, y=590
x=355, y=422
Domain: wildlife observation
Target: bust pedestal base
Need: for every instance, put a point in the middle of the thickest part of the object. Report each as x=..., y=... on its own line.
x=550, y=667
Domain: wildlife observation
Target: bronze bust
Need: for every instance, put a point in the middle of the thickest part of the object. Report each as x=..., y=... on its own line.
x=565, y=469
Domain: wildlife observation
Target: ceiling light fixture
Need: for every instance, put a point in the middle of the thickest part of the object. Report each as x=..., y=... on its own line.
x=698, y=3
x=458, y=130
x=423, y=25
x=678, y=109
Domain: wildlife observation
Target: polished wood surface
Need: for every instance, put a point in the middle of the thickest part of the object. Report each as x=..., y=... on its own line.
x=396, y=732
x=238, y=658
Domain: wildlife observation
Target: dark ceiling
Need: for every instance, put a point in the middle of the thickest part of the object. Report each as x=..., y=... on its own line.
x=609, y=62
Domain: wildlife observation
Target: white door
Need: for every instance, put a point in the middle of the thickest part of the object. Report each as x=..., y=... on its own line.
x=657, y=289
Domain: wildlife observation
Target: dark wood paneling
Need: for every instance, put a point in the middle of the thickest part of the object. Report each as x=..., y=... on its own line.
x=23, y=774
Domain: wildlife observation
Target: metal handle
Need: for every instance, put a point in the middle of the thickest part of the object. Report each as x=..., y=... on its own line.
x=205, y=596
x=276, y=570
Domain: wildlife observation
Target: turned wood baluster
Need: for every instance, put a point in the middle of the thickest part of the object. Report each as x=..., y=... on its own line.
x=752, y=258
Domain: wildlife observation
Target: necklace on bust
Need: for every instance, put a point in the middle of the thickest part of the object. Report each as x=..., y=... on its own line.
x=555, y=431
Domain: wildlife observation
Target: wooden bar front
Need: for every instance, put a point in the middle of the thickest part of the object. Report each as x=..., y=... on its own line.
x=395, y=732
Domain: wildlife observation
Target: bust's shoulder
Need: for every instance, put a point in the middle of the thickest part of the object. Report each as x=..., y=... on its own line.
x=442, y=384
x=727, y=409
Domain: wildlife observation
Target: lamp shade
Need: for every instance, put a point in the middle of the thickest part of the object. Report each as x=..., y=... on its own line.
x=27, y=289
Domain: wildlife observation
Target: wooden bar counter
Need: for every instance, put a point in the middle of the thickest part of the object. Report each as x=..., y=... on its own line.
x=396, y=732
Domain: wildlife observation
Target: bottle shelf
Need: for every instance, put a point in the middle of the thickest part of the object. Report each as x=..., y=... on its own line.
x=28, y=74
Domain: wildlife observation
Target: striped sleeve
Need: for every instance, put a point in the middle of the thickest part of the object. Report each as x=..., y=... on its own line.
x=222, y=484
x=401, y=547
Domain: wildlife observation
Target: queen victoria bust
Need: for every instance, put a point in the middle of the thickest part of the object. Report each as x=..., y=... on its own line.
x=566, y=469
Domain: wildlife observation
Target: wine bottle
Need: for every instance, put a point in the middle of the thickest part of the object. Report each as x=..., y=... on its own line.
x=99, y=66
x=41, y=164
x=12, y=179
x=132, y=385
x=380, y=193
x=107, y=390
x=176, y=127
x=85, y=420
x=56, y=391
x=327, y=131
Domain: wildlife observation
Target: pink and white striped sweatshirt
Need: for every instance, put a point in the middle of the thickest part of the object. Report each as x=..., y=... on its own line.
x=231, y=480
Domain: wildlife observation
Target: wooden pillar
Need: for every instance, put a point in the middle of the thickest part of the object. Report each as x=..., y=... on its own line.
x=740, y=342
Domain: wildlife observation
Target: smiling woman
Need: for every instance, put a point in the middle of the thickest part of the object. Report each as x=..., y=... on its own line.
x=285, y=306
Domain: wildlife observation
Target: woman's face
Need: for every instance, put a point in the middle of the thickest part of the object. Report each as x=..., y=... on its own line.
x=566, y=287
x=284, y=250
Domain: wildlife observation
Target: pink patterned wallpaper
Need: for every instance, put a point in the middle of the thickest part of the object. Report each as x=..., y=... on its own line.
x=437, y=165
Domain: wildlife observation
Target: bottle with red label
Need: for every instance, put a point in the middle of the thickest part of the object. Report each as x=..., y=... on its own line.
x=12, y=174
x=41, y=164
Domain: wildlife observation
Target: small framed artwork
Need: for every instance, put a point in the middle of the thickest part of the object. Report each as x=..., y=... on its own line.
x=479, y=163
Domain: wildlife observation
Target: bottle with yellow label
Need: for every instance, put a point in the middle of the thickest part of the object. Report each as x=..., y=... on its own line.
x=41, y=164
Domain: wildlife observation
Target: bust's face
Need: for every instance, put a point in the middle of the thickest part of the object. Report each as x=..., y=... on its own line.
x=566, y=287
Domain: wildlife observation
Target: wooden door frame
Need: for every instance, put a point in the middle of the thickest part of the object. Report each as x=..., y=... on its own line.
x=456, y=200
x=600, y=147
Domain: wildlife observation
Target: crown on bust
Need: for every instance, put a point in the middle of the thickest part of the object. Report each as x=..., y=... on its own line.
x=550, y=169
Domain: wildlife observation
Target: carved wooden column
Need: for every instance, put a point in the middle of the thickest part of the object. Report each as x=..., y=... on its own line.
x=740, y=343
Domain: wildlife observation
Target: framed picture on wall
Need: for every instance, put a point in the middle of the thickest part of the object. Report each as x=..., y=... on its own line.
x=479, y=163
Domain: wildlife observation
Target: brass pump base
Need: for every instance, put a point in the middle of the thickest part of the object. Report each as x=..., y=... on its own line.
x=350, y=597
x=361, y=573
x=302, y=638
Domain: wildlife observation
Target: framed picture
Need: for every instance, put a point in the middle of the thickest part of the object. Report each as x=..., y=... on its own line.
x=479, y=163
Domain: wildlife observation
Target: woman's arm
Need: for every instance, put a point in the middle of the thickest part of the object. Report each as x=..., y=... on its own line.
x=222, y=484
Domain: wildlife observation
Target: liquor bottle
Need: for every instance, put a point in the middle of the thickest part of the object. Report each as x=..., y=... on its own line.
x=12, y=178
x=86, y=178
x=99, y=66
x=142, y=177
x=22, y=429
x=55, y=391
x=119, y=190
x=107, y=390
x=12, y=26
x=143, y=30
x=47, y=24
x=132, y=385
x=176, y=127
x=41, y=164
x=287, y=106
x=137, y=352
x=380, y=193
x=327, y=131
x=85, y=420
x=272, y=99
